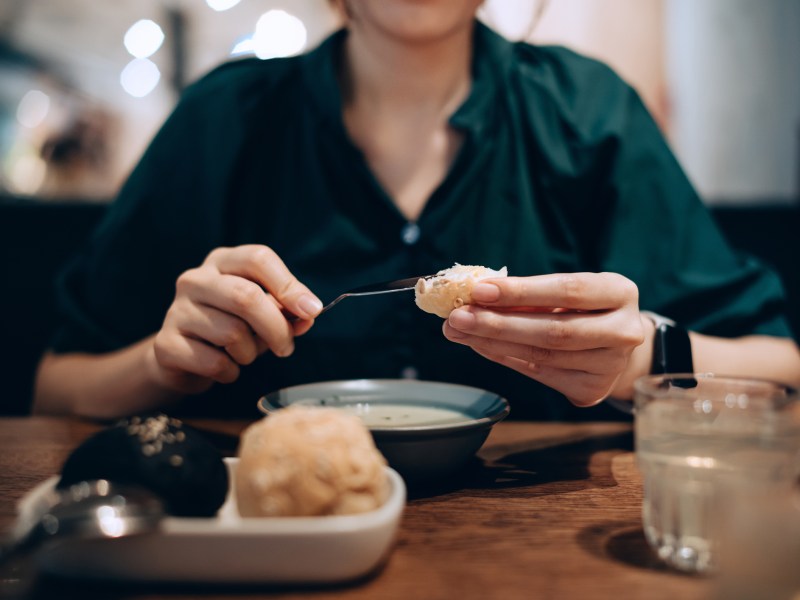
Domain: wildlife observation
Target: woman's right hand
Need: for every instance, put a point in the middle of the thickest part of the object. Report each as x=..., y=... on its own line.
x=226, y=313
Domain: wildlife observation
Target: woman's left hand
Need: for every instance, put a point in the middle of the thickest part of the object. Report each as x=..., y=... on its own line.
x=573, y=332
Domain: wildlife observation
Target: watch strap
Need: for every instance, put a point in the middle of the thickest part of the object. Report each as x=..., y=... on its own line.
x=672, y=347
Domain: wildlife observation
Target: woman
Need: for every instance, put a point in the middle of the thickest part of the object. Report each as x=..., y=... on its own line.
x=411, y=140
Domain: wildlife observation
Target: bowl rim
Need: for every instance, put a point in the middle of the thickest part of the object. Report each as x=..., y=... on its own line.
x=267, y=405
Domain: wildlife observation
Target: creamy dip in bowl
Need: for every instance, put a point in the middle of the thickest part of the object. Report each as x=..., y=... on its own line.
x=424, y=429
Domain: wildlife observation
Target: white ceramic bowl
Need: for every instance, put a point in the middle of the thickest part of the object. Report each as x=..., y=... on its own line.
x=425, y=429
x=230, y=549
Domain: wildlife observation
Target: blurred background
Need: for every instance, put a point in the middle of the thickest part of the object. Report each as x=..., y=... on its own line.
x=86, y=83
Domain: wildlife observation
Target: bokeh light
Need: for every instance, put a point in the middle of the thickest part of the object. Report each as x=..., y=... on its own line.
x=221, y=5
x=279, y=33
x=26, y=173
x=140, y=77
x=144, y=38
x=33, y=108
x=244, y=46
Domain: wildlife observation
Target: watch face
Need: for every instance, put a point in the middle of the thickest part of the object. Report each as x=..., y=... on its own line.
x=672, y=351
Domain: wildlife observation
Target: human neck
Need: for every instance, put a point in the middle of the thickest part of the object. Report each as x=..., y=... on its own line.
x=384, y=74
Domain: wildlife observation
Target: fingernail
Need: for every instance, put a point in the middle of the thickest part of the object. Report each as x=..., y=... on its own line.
x=461, y=319
x=309, y=304
x=486, y=292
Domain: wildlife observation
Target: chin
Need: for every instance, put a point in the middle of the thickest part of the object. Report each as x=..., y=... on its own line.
x=414, y=20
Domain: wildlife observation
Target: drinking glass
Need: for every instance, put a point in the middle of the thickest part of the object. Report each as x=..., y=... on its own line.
x=699, y=438
x=759, y=546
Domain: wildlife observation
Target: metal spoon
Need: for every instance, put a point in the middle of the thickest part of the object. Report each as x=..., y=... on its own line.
x=86, y=510
x=385, y=287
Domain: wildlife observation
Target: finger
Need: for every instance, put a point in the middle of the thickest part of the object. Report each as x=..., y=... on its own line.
x=187, y=355
x=244, y=299
x=596, y=361
x=301, y=327
x=575, y=291
x=555, y=331
x=219, y=329
x=581, y=388
x=262, y=265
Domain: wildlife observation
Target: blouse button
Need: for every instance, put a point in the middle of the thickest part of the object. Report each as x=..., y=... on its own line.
x=410, y=234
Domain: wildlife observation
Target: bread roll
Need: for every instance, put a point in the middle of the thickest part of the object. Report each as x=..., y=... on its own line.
x=451, y=288
x=309, y=461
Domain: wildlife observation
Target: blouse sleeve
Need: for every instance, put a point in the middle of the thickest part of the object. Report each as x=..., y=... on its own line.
x=660, y=235
x=630, y=206
x=166, y=218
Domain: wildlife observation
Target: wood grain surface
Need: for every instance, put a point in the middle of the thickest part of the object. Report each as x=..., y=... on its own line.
x=546, y=510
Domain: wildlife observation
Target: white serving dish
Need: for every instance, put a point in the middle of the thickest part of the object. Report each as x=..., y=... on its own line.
x=426, y=429
x=231, y=549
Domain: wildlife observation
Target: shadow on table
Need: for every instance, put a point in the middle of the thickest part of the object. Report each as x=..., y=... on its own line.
x=555, y=468
x=620, y=541
x=50, y=587
x=623, y=542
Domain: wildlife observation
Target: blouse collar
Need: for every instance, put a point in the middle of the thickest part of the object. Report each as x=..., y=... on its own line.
x=492, y=57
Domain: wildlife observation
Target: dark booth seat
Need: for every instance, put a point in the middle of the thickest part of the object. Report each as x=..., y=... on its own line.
x=37, y=238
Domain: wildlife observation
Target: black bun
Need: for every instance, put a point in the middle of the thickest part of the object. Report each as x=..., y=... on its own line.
x=157, y=452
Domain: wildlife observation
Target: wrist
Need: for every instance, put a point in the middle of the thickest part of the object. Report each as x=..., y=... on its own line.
x=639, y=361
x=151, y=367
x=157, y=377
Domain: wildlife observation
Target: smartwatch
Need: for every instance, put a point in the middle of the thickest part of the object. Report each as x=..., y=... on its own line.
x=672, y=353
x=672, y=348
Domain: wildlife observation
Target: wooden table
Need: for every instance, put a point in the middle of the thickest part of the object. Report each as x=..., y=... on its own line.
x=551, y=510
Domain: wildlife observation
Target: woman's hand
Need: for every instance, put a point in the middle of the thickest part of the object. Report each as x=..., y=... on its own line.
x=573, y=332
x=226, y=313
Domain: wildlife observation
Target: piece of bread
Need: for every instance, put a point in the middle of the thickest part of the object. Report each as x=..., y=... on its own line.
x=452, y=288
x=309, y=461
x=157, y=452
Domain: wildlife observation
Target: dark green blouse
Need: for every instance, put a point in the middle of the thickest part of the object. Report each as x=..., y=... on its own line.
x=562, y=170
